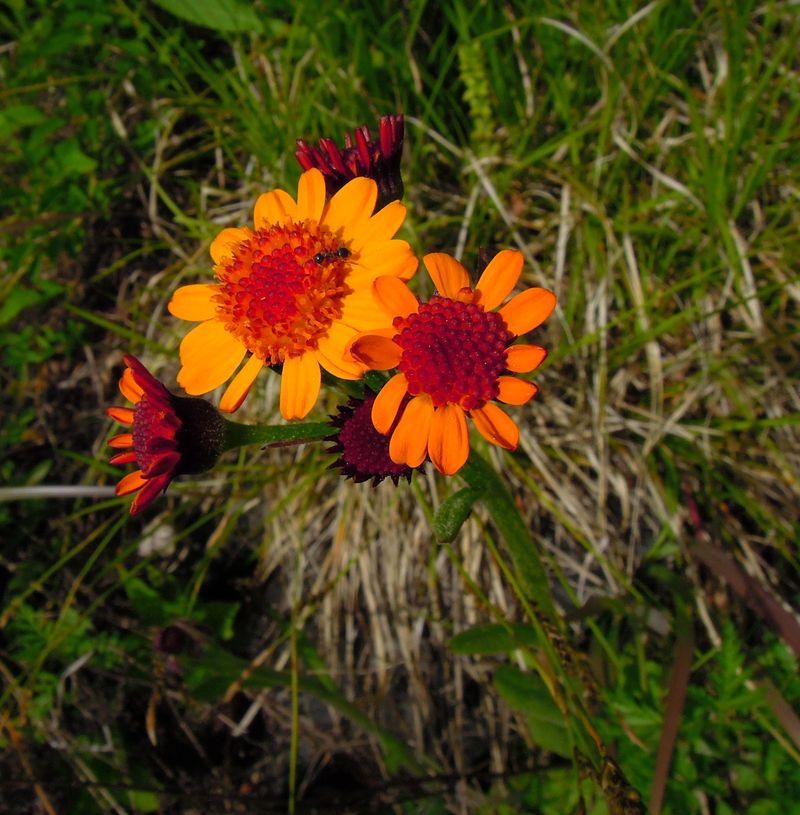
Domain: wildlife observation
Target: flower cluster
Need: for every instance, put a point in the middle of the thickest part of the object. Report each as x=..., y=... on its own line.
x=319, y=282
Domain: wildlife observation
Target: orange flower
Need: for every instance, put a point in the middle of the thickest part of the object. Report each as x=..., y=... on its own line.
x=293, y=291
x=170, y=435
x=454, y=356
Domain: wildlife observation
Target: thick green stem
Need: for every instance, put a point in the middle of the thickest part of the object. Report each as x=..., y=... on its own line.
x=238, y=435
x=527, y=563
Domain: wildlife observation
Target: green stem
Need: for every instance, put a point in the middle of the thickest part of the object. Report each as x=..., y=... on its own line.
x=238, y=435
x=481, y=477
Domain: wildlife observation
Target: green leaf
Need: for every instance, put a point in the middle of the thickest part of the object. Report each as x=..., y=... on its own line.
x=453, y=512
x=147, y=602
x=16, y=117
x=493, y=638
x=234, y=16
x=21, y=298
x=219, y=616
x=528, y=694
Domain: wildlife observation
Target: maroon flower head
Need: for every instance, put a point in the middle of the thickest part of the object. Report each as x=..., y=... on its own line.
x=378, y=159
x=363, y=452
x=170, y=435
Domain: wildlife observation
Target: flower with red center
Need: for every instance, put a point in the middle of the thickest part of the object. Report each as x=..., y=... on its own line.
x=378, y=159
x=170, y=435
x=363, y=452
x=293, y=291
x=454, y=355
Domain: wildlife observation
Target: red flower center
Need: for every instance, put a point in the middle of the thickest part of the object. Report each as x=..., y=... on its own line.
x=364, y=451
x=453, y=351
x=154, y=429
x=283, y=288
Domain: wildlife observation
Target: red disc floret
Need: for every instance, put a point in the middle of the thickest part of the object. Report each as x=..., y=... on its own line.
x=453, y=351
x=155, y=426
x=282, y=289
x=363, y=452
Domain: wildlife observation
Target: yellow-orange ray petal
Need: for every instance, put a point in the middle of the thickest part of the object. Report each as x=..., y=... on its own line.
x=224, y=245
x=362, y=312
x=122, y=415
x=448, y=275
x=350, y=208
x=122, y=440
x=522, y=358
x=311, y=195
x=393, y=258
x=194, y=302
x=515, y=391
x=377, y=350
x=274, y=208
x=209, y=355
x=395, y=296
x=130, y=483
x=448, y=440
x=382, y=226
x=499, y=278
x=528, y=310
x=409, y=442
x=300, y=383
x=240, y=386
x=130, y=388
x=387, y=403
x=496, y=426
x=332, y=353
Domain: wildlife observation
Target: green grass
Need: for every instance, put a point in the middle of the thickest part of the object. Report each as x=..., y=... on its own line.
x=644, y=159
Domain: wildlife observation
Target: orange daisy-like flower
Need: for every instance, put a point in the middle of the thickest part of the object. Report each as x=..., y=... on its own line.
x=454, y=355
x=293, y=291
x=170, y=435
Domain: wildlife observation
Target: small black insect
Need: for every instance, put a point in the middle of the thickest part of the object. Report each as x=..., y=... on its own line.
x=326, y=257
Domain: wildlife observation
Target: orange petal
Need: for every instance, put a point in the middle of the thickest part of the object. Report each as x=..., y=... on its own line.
x=496, y=426
x=122, y=415
x=130, y=483
x=209, y=355
x=523, y=359
x=448, y=275
x=362, y=313
x=194, y=302
x=382, y=226
x=378, y=351
x=387, y=403
x=351, y=207
x=395, y=296
x=274, y=208
x=409, y=442
x=311, y=195
x=123, y=458
x=499, y=278
x=300, y=383
x=224, y=245
x=236, y=392
x=393, y=258
x=528, y=310
x=122, y=440
x=448, y=442
x=130, y=388
x=332, y=354
x=515, y=391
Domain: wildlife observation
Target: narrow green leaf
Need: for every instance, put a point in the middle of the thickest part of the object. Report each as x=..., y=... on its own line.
x=233, y=16
x=453, y=512
x=493, y=638
x=528, y=694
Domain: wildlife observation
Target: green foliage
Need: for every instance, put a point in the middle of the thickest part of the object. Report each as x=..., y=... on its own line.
x=644, y=155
